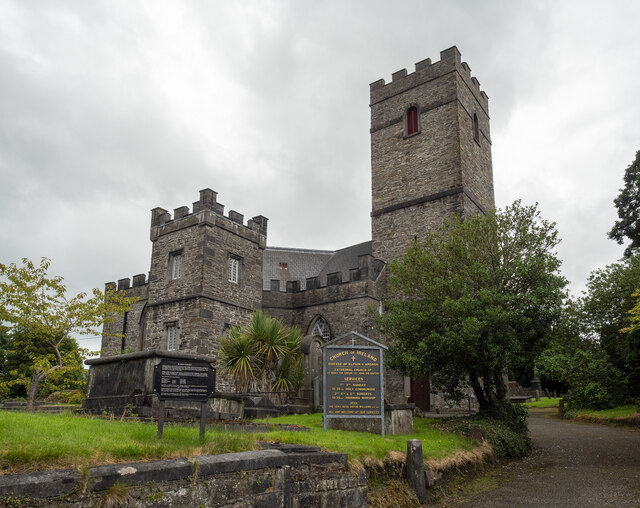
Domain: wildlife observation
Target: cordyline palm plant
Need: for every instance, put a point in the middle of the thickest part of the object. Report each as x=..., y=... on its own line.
x=238, y=354
x=263, y=356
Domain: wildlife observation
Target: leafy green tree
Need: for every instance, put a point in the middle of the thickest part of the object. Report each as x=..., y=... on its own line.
x=4, y=344
x=634, y=314
x=32, y=300
x=473, y=299
x=20, y=347
x=587, y=370
x=633, y=356
x=263, y=356
x=628, y=205
x=606, y=305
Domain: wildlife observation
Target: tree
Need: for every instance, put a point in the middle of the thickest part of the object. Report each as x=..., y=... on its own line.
x=263, y=356
x=19, y=349
x=633, y=355
x=628, y=205
x=474, y=298
x=33, y=301
x=606, y=305
x=634, y=314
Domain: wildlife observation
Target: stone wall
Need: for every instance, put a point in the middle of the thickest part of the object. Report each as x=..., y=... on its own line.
x=132, y=324
x=393, y=231
x=294, y=476
x=345, y=307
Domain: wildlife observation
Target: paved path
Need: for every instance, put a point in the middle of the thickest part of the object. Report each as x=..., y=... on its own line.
x=572, y=465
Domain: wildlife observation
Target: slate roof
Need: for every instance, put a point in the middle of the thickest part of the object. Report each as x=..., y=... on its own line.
x=297, y=264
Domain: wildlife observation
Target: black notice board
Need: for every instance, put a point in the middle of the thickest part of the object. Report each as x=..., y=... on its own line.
x=184, y=380
x=353, y=381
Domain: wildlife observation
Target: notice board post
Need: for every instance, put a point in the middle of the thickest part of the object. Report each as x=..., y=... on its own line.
x=187, y=380
x=353, y=380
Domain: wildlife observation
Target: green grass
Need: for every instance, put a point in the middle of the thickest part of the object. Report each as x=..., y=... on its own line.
x=44, y=441
x=544, y=402
x=616, y=412
x=435, y=443
x=31, y=442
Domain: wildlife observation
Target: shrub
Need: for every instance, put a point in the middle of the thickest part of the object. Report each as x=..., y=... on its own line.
x=594, y=381
x=594, y=395
x=66, y=397
x=505, y=429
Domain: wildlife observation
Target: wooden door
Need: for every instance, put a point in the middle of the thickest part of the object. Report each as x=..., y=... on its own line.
x=420, y=393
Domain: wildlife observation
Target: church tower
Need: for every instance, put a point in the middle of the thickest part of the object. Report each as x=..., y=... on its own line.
x=430, y=151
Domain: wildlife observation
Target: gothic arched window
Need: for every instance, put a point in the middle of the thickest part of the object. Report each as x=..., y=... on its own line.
x=320, y=327
x=411, y=121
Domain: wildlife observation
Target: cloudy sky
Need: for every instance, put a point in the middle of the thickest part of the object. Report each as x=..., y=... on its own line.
x=111, y=108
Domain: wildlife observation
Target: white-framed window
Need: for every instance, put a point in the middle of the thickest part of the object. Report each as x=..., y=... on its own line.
x=175, y=265
x=233, y=269
x=172, y=337
x=321, y=328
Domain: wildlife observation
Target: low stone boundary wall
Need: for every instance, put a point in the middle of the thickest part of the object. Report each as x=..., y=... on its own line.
x=291, y=477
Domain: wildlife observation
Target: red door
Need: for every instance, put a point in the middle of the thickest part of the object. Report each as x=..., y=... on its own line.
x=420, y=390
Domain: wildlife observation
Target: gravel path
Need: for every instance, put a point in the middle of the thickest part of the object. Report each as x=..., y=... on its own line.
x=572, y=465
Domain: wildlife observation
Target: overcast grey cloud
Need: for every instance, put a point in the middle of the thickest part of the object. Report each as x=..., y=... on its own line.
x=108, y=109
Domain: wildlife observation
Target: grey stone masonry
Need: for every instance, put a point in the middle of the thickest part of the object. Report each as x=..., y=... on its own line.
x=274, y=478
x=420, y=179
x=191, y=286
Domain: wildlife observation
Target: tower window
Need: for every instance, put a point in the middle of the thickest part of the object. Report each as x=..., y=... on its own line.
x=172, y=337
x=233, y=269
x=411, y=121
x=175, y=265
x=476, y=130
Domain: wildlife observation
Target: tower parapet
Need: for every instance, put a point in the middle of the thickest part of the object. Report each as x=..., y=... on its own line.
x=425, y=70
x=207, y=204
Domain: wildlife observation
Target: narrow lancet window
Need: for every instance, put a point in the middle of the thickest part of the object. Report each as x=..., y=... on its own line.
x=412, y=120
x=476, y=130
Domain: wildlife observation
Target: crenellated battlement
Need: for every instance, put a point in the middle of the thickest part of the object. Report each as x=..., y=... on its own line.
x=368, y=268
x=208, y=201
x=125, y=284
x=425, y=70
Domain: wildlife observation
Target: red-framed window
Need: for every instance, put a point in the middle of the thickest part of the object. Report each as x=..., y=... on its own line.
x=412, y=120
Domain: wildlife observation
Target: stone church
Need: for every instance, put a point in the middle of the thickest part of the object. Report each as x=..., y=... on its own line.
x=430, y=158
